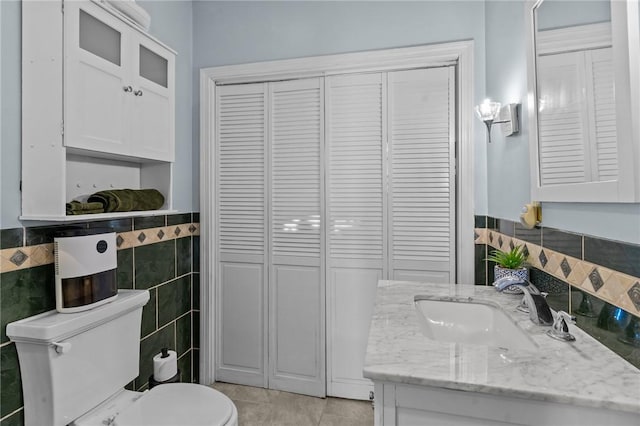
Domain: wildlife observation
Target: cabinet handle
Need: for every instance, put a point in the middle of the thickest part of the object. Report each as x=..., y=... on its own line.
x=138, y=93
x=127, y=88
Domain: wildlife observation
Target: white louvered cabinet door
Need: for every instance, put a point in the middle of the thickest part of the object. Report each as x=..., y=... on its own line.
x=296, y=282
x=241, y=128
x=356, y=223
x=422, y=175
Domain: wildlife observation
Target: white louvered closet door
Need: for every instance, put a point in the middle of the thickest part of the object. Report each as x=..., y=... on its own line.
x=296, y=281
x=421, y=116
x=385, y=182
x=241, y=230
x=356, y=223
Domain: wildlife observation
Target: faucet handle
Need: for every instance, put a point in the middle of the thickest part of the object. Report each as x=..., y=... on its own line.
x=560, y=330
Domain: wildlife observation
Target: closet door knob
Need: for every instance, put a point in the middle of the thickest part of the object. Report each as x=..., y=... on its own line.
x=138, y=93
x=127, y=88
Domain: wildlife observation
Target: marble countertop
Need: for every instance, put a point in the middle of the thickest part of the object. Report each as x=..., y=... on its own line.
x=583, y=372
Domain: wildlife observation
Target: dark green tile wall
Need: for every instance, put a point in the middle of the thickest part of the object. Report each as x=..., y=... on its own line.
x=150, y=314
x=11, y=238
x=125, y=268
x=149, y=222
x=183, y=256
x=10, y=376
x=166, y=269
x=155, y=264
x=619, y=256
x=16, y=419
x=24, y=293
x=174, y=300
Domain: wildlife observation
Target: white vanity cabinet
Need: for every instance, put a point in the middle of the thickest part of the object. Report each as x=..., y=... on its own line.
x=98, y=108
x=118, y=86
x=407, y=405
x=441, y=380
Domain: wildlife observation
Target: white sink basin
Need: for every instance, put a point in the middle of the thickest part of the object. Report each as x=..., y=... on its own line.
x=471, y=322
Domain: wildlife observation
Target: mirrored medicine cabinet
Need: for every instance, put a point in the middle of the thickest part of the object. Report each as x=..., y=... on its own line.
x=583, y=61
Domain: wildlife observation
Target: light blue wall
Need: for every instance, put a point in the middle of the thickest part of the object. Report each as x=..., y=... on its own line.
x=561, y=13
x=207, y=33
x=171, y=22
x=508, y=158
x=10, y=100
x=241, y=32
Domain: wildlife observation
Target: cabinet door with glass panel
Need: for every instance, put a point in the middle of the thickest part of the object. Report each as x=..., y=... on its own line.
x=153, y=98
x=118, y=86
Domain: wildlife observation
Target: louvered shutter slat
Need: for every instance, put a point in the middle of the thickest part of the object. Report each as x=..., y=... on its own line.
x=604, y=115
x=241, y=171
x=420, y=178
x=355, y=200
x=296, y=132
x=561, y=119
x=577, y=118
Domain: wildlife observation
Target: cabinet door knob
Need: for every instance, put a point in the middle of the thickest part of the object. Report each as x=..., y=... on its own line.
x=127, y=88
x=138, y=93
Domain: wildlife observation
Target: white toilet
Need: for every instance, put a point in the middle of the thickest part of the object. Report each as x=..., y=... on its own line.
x=74, y=367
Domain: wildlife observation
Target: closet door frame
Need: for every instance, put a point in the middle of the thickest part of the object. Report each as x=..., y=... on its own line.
x=459, y=54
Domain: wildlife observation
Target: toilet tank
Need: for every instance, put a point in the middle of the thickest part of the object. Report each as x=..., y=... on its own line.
x=70, y=363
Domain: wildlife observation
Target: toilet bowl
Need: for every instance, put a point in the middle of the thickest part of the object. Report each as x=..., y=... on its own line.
x=74, y=367
x=176, y=404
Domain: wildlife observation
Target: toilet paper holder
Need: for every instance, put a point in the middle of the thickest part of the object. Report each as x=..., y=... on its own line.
x=165, y=368
x=531, y=215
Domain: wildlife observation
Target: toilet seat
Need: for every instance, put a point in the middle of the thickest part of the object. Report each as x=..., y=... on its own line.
x=175, y=404
x=178, y=404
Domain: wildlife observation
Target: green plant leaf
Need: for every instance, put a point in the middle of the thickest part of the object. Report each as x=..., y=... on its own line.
x=512, y=259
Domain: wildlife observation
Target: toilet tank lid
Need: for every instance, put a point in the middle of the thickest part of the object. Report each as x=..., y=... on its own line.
x=53, y=326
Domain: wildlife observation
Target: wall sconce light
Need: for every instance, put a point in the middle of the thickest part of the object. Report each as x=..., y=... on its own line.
x=493, y=113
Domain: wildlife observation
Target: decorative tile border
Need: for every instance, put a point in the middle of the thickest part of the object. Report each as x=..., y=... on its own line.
x=12, y=259
x=617, y=288
x=16, y=258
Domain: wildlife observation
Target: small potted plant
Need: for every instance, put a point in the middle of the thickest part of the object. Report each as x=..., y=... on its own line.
x=511, y=263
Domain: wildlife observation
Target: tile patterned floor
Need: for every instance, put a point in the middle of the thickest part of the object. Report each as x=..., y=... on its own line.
x=257, y=406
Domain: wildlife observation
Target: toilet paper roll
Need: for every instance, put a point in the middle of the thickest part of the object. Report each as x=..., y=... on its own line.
x=165, y=368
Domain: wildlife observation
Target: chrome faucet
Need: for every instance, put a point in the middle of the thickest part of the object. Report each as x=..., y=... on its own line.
x=539, y=311
x=560, y=329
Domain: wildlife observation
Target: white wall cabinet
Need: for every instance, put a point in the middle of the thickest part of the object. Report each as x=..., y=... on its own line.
x=102, y=93
x=118, y=86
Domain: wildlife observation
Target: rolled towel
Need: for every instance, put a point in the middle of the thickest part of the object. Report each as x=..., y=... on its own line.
x=127, y=200
x=76, y=207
